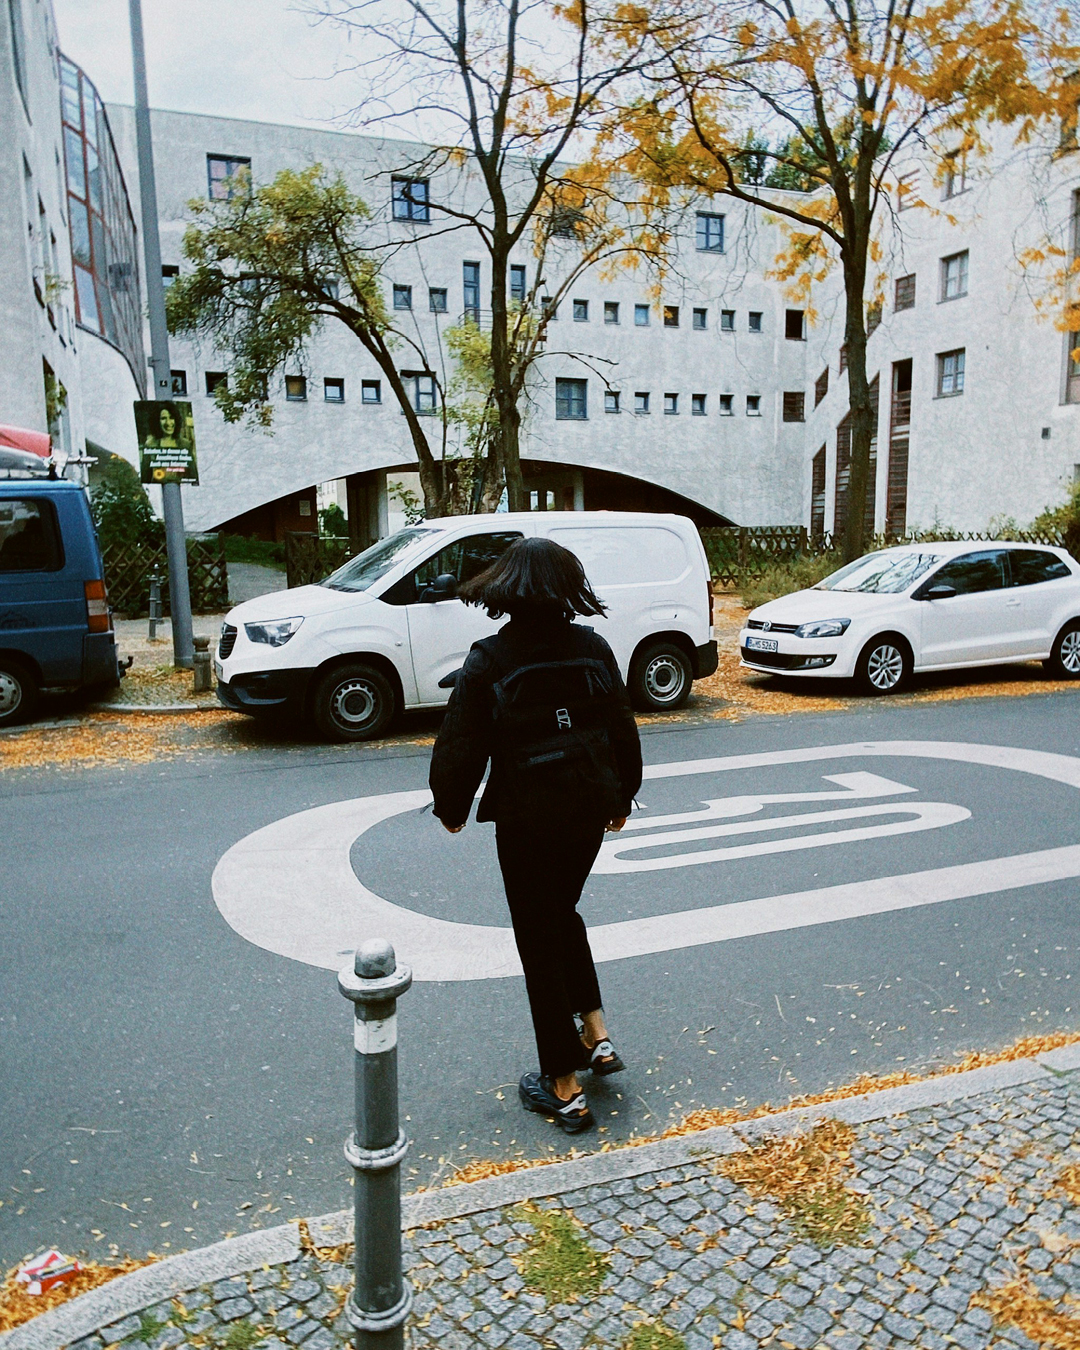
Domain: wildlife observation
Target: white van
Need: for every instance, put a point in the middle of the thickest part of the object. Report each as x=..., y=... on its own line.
x=386, y=632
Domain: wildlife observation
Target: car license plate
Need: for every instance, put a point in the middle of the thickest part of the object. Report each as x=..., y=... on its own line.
x=219, y=674
x=756, y=644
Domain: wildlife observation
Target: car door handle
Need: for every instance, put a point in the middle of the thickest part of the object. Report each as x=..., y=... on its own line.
x=1013, y=604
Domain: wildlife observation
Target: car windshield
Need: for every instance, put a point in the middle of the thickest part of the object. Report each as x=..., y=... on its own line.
x=366, y=568
x=884, y=573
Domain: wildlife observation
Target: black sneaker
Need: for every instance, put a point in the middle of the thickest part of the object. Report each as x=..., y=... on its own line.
x=537, y=1093
x=602, y=1059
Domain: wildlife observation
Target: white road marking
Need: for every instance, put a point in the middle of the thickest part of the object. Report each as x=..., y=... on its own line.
x=290, y=887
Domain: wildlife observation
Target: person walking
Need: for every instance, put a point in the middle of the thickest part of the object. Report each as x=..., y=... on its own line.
x=544, y=702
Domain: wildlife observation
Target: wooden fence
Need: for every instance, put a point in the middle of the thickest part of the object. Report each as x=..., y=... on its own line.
x=736, y=553
x=129, y=567
x=311, y=557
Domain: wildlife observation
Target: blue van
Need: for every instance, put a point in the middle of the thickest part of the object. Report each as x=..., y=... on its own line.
x=55, y=628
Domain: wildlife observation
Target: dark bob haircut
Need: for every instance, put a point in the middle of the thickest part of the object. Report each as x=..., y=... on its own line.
x=533, y=577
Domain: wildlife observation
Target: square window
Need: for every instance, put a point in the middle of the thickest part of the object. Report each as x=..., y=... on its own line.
x=581, y=311
x=905, y=292
x=549, y=308
x=754, y=321
x=228, y=176
x=437, y=299
x=169, y=273
x=334, y=391
x=641, y=403
x=671, y=404
x=570, y=400
x=671, y=316
x=950, y=373
x=753, y=405
x=179, y=383
x=402, y=297
x=213, y=379
x=701, y=319
x=409, y=197
x=821, y=386
x=697, y=405
x=727, y=405
x=727, y=321
x=611, y=401
x=370, y=391
x=296, y=388
x=954, y=276
x=611, y=311
x=795, y=407
x=641, y=316
x=794, y=329
x=332, y=287
x=710, y=233
x=422, y=391
x=517, y=284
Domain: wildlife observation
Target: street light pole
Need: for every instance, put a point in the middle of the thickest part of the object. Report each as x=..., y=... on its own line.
x=172, y=504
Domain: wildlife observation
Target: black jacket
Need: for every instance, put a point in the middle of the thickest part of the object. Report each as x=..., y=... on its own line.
x=465, y=741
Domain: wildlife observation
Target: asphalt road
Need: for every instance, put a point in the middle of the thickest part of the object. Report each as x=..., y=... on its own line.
x=166, y=1081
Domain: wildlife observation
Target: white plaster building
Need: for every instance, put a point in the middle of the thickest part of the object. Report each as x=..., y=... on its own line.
x=712, y=398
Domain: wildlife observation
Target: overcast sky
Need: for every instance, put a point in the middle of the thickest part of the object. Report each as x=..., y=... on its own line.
x=238, y=58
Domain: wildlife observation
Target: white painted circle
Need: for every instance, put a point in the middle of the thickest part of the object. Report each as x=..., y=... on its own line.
x=290, y=887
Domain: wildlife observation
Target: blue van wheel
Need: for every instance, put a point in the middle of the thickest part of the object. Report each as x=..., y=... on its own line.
x=18, y=692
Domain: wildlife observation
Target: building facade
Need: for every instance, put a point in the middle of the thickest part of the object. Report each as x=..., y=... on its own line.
x=710, y=392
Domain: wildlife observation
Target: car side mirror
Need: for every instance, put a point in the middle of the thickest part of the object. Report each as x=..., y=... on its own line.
x=444, y=587
x=940, y=593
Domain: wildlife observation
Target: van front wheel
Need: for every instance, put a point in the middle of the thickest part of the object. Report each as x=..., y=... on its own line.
x=660, y=678
x=353, y=703
x=18, y=692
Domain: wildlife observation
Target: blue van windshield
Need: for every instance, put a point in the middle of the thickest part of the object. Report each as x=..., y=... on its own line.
x=366, y=568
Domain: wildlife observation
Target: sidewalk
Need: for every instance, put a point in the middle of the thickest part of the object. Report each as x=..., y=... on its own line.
x=944, y=1213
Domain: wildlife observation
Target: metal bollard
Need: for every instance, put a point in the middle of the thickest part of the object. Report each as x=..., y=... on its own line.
x=381, y=1298
x=155, y=604
x=201, y=663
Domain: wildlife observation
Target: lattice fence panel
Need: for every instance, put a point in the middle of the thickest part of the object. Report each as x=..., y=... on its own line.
x=311, y=557
x=129, y=567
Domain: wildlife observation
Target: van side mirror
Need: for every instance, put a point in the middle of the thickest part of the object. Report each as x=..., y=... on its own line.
x=444, y=587
x=940, y=593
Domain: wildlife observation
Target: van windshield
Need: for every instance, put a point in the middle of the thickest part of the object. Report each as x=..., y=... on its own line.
x=366, y=568
x=884, y=573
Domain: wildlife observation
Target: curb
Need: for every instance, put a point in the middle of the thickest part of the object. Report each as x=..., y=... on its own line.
x=155, y=707
x=129, y=1294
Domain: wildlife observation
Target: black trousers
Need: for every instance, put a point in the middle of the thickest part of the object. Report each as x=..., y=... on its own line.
x=544, y=871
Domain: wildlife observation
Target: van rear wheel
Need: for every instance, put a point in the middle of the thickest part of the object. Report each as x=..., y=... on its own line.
x=18, y=692
x=660, y=678
x=353, y=703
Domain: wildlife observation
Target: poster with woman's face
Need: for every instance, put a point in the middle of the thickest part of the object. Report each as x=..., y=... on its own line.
x=166, y=434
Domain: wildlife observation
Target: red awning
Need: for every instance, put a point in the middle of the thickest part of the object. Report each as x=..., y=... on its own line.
x=18, y=438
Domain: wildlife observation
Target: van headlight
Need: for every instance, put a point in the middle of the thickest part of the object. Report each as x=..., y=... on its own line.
x=823, y=628
x=275, y=632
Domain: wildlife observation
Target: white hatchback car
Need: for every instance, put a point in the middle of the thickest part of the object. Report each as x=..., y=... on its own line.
x=918, y=607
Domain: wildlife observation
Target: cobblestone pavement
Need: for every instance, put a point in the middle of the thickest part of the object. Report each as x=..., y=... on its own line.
x=960, y=1201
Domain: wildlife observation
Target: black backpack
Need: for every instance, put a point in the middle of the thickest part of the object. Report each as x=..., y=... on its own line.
x=552, y=741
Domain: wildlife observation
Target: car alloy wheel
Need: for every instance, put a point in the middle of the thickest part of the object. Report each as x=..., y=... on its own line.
x=1069, y=651
x=884, y=668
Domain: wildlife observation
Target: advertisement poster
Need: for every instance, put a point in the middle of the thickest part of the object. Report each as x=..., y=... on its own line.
x=166, y=434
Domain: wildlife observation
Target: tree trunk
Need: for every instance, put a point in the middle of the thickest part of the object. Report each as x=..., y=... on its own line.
x=507, y=431
x=853, y=543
